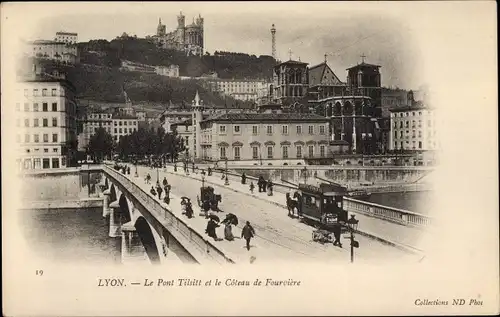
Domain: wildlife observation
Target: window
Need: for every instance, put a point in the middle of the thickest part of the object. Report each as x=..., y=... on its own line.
x=54, y=137
x=45, y=122
x=237, y=153
x=222, y=152
x=35, y=92
x=53, y=91
x=311, y=129
x=44, y=92
x=311, y=150
x=55, y=163
x=26, y=138
x=429, y=123
x=26, y=92
x=255, y=130
x=395, y=134
x=187, y=141
x=37, y=162
x=237, y=129
x=284, y=129
x=55, y=150
x=269, y=129
x=285, y=152
x=54, y=106
x=116, y=123
x=322, y=150
x=125, y=123
x=322, y=129
x=400, y=124
x=222, y=129
x=26, y=107
x=36, y=137
x=419, y=144
x=54, y=122
x=45, y=107
x=401, y=145
x=35, y=107
x=120, y=123
x=419, y=134
x=116, y=130
x=400, y=134
x=255, y=152
x=26, y=122
x=46, y=163
x=18, y=106
x=413, y=134
x=299, y=151
x=45, y=138
x=269, y=152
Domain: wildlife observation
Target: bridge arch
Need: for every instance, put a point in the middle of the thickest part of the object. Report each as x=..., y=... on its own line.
x=125, y=213
x=112, y=193
x=148, y=240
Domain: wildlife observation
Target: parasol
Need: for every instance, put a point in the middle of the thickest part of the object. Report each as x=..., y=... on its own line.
x=214, y=217
x=231, y=218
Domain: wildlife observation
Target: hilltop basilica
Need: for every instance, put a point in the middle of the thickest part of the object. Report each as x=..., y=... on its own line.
x=185, y=38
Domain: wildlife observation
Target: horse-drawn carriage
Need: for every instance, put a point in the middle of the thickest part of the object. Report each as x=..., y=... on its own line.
x=322, y=206
x=208, y=199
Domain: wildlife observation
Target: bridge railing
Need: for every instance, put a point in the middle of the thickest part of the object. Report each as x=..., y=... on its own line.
x=401, y=216
x=203, y=246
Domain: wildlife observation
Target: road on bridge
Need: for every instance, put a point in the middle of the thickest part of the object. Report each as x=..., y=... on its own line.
x=278, y=237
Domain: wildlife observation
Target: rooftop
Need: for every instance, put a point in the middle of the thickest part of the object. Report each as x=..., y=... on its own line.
x=363, y=64
x=268, y=117
x=47, y=42
x=124, y=116
x=291, y=62
x=416, y=106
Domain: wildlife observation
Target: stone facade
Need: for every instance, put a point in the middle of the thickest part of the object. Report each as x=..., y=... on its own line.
x=187, y=38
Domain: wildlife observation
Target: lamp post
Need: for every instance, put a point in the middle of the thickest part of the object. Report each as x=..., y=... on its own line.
x=202, y=180
x=226, y=180
x=136, y=173
x=352, y=224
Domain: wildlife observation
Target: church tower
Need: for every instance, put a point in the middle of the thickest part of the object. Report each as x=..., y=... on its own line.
x=197, y=116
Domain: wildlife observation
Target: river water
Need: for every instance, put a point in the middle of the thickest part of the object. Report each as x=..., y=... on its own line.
x=412, y=201
x=70, y=235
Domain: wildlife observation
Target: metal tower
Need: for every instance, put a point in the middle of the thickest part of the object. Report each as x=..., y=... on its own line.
x=273, y=40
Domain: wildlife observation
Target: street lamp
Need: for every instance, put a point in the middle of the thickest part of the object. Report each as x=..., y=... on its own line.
x=352, y=224
x=226, y=180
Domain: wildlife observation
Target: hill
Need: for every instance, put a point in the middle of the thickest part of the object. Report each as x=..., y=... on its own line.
x=102, y=83
x=228, y=65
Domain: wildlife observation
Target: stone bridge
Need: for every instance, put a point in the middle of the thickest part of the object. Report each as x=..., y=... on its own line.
x=149, y=231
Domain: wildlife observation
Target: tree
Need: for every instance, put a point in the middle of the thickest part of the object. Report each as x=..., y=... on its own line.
x=100, y=145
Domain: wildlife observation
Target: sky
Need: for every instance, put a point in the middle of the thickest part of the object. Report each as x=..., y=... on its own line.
x=310, y=30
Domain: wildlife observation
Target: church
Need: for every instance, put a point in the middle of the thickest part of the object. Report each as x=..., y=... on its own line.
x=186, y=38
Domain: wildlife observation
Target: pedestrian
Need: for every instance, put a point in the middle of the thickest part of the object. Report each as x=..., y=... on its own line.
x=210, y=230
x=269, y=188
x=165, y=182
x=128, y=170
x=337, y=230
x=264, y=185
x=248, y=233
x=153, y=191
x=228, y=234
x=251, y=187
x=243, y=178
x=159, y=190
x=209, y=171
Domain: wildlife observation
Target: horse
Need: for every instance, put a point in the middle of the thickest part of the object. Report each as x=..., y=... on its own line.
x=292, y=204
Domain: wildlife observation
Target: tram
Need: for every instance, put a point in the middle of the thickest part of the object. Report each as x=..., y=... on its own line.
x=323, y=206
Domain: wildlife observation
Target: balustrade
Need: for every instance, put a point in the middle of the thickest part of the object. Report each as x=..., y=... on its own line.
x=169, y=220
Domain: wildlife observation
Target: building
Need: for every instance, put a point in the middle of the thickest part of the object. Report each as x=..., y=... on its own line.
x=53, y=50
x=290, y=82
x=169, y=71
x=263, y=136
x=93, y=120
x=186, y=38
x=392, y=98
x=46, y=117
x=66, y=37
x=246, y=90
x=123, y=124
x=413, y=128
x=184, y=130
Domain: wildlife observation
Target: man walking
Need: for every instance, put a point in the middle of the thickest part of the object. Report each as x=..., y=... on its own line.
x=247, y=232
